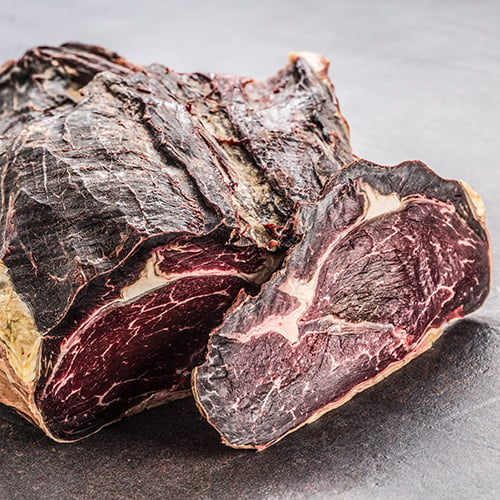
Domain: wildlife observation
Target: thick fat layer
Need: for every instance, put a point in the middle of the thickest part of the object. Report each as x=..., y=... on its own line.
x=18, y=332
x=20, y=344
x=475, y=201
x=12, y=390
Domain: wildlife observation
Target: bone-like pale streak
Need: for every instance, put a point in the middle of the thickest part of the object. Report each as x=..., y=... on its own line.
x=152, y=278
x=379, y=204
x=303, y=290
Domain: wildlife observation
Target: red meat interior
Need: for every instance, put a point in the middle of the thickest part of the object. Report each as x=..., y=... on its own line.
x=142, y=352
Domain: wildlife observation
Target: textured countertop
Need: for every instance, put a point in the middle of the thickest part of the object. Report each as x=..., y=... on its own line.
x=416, y=80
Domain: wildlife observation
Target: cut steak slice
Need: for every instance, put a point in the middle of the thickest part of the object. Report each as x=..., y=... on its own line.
x=389, y=255
x=135, y=204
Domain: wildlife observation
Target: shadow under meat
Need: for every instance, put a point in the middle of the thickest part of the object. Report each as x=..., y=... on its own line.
x=173, y=447
x=393, y=421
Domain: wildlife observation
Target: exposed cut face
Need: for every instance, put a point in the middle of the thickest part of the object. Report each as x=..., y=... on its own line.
x=139, y=349
x=388, y=257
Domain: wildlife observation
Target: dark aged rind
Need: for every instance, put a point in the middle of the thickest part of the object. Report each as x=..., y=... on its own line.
x=389, y=256
x=47, y=77
x=144, y=199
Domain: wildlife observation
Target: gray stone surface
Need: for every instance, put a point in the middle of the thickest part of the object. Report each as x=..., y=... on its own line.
x=416, y=80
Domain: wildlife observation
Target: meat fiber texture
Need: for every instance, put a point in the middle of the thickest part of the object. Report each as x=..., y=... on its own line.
x=135, y=204
x=388, y=257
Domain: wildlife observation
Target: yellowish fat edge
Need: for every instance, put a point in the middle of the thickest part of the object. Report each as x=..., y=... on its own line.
x=201, y=408
x=475, y=201
x=479, y=211
x=20, y=348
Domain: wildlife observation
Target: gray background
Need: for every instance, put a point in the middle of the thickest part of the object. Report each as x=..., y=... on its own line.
x=416, y=80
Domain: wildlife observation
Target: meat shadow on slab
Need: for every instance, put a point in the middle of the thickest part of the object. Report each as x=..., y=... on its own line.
x=393, y=422
x=389, y=424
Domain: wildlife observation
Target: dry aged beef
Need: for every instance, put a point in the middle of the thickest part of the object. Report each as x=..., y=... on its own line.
x=388, y=257
x=135, y=204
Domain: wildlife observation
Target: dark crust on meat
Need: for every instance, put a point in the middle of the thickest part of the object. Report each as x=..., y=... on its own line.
x=104, y=155
x=46, y=77
x=103, y=162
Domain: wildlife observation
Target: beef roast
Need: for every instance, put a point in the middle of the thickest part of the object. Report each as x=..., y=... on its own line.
x=388, y=257
x=135, y=204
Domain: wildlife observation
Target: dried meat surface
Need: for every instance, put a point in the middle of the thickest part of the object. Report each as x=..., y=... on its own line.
x=135, y=204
